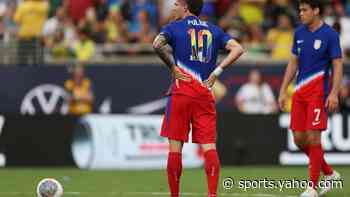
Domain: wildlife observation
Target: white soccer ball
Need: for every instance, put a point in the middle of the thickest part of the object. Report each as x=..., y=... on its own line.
x=49, y=188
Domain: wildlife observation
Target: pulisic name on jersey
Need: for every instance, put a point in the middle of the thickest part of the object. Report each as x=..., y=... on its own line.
x=197, y=23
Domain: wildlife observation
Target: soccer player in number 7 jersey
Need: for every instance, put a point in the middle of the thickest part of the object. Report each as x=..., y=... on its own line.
x=316, y=52
x=195, y=46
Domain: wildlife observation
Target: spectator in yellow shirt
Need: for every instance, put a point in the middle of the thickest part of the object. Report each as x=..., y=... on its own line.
x=30, y=16
x=84, y=49
x=280, y=39
x=252, y=11
x=81, y=95
x=116, y=26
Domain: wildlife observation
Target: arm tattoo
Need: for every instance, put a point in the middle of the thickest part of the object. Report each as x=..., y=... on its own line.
x=163, y=50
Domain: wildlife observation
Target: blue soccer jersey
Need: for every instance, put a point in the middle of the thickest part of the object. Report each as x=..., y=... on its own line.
x=196, y=46
x=315, y=52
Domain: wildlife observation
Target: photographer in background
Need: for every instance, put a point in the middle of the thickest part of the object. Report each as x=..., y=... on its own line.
x=256, y=96
x=80, y=89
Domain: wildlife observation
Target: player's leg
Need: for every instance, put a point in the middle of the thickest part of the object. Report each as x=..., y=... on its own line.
x=299, y=127
x=174, y=166
x=175, y=127
x=211, y=167
x=204, y=133
x=315, y=155
x=298, y=124
x=317, y=162
x=316, y=123
x=301, y=139
x=310, y=143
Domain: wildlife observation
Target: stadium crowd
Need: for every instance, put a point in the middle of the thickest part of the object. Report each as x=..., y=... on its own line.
x=75, y=28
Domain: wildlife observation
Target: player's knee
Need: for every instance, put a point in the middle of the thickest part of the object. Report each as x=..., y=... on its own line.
x=175, y=146
x=207, y=147
x=313, y=138
x=175, y=149
x=313, y=141
x=301, y=146
x=211, y=159
x=300, y=142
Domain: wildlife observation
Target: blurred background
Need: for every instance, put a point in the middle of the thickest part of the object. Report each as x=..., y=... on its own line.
x=82, y=87
x=108, y=30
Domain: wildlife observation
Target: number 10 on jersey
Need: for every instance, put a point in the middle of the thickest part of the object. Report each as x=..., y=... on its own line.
x=200, y=52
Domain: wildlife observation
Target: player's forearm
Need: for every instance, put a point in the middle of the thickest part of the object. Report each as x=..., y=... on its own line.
x=337, y=75
x=160, y=46
x=288, y=76
x=236, y=51
x=165, y=56
x=231, y=57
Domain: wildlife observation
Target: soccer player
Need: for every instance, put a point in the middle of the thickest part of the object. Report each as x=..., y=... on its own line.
x=316, y=51
x=195, y=45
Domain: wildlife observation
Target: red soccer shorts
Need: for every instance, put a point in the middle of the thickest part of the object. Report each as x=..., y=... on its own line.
x=182, y=112
x=308, y=115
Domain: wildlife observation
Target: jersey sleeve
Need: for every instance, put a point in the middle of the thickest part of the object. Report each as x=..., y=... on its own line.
x=294, y=46
x=168, y=33
x=334, y=46
x=224, y=38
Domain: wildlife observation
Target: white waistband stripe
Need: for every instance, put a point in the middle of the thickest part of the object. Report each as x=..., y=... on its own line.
x=309, y=79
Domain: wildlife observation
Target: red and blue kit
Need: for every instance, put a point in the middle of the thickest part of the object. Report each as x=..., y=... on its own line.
x=191, y=105
x=315, y=52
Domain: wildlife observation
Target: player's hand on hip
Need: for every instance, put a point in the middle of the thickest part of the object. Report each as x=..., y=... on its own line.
x=282, y=101
x=210, y=81
x=332, y=103
x=179, y=75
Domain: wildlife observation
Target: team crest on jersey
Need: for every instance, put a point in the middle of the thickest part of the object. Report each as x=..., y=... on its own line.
x=317, y=44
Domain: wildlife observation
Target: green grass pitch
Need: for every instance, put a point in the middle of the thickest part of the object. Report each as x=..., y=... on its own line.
x=80, y=183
